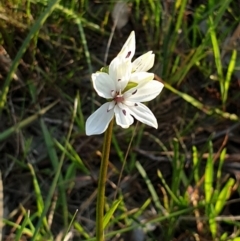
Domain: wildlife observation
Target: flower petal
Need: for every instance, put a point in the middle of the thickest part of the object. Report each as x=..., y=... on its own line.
x=139, y=77
x=98, y=122
x=123, y=117
x=143, y=114
x=103, y=84
x=144, y=62
x=120, y=72
x=145, y=92
x=128, y=49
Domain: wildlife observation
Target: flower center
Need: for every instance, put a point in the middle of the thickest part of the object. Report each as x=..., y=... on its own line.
x=119, y=97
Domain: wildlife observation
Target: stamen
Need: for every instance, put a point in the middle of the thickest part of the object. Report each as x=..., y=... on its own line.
x=135, y=104
x=124, y=112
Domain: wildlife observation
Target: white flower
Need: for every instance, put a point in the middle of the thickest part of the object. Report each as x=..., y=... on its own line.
x=123, y=102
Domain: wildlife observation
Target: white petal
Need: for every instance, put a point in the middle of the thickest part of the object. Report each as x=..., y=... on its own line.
x=128, y=49
x=103, y=84
x=139, y=77
x=144, y=62
x=120, y=72
x=144, y=115
x=111, y=105
x=145, y=92
x=98, y=122
x=123, y=117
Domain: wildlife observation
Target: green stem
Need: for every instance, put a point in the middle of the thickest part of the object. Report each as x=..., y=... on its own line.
x=101, y=183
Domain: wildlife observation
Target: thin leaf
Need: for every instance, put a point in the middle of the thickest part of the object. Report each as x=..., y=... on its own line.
x=208, y=184
x=110, y=212
x=25, y=122
x=150, y=188
x=224, y=196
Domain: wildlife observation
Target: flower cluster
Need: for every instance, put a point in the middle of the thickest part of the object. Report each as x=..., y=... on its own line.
x=125, y=86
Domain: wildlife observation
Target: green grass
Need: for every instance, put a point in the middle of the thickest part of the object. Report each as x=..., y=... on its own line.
x=175, y=182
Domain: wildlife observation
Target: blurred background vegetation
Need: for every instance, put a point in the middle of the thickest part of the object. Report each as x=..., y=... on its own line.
x=180, y=182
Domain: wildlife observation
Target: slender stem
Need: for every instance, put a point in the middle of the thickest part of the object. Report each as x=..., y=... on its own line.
x=102, y=182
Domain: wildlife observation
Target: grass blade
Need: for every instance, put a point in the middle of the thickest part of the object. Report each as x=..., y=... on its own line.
x=110, y=212
x=208, y=184
x=39, y=199
x=224, y=195
x=25, y=122
x=150, y=188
